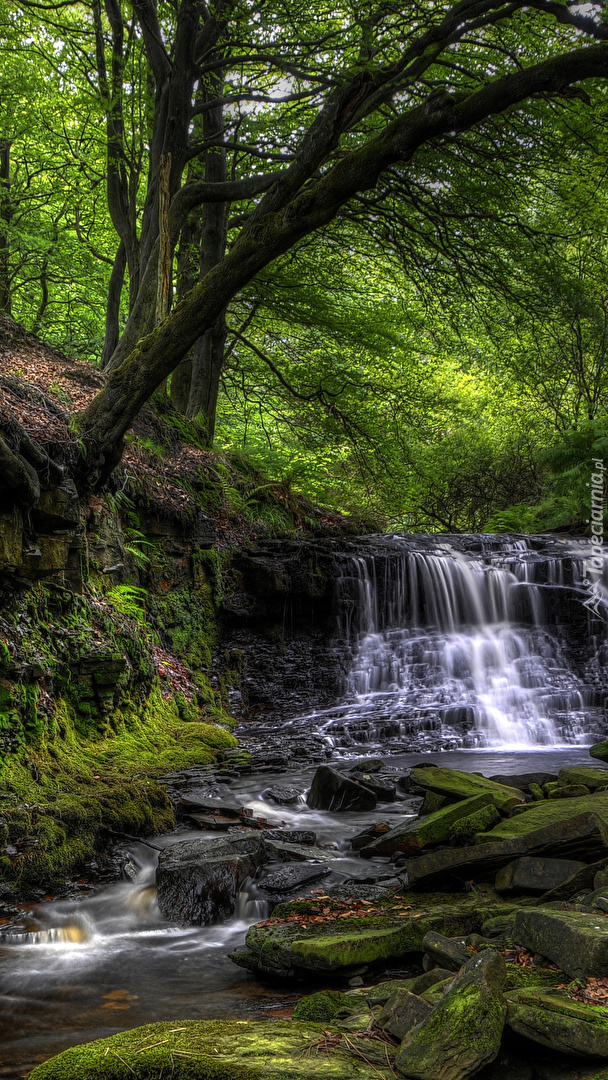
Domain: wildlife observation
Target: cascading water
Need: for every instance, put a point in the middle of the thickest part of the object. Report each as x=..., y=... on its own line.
x=444, y=641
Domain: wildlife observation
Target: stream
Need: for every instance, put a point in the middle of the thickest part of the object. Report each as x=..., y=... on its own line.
x=463, y=652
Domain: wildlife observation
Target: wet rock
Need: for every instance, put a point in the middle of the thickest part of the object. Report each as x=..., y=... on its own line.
x=414, y=834
x=198, y=880
x=322, y=1006
x=600, y=750
x=257, y=1050
x=576, y=942
x=543, y=814
x=382, y=787
x=293, y=876
x=466, y=785
x=368, y=834
x=584, y=835
x=330, y=790
x=467, y=828
x=443, y=952
x=523, y=780
x=291, y=836
x=281, y=852
x=569, y=791
x=553, y=1019
x=433, y=801
x=535, y=876
x=583, y=880
x=463, y=1032
x=370, y=765
x=402, y=1012
x=282, y=796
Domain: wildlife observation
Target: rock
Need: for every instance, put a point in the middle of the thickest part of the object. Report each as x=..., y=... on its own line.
x=205, y=1049
x=584, y=835
x=402, y=1012
x=583, y=880
x=569, y=791
x=576, y=942
x=382, y=787
x=287, y=948
x=433, y=801
x=524, y=780
x=330, y=790
x=526, y=978
x=368, y=834
x=282, y=796
x=414, y=834
x=444, y=952
x=321, y=1006
x=591, y=778
x=600, y=750
x=552, y=1018
x=293, y=876
x=370, y=765
x=535, y=876
x=198, y=880
x=379, y=995
x=542, y=814
x=301, y=837
x=499, y=926
x=463, y=1032
x=424, y=982
x=280, y=852
x=466, y=785
x=467, y=828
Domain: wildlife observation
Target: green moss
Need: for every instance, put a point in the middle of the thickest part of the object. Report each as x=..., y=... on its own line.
x=215, y=1050
x=322, y=1006
x=522, y=978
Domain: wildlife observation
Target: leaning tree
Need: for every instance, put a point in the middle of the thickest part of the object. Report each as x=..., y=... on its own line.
x=329, y=103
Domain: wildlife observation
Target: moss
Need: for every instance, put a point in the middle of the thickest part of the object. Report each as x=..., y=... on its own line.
x=541, y=814
x=521, y=978
x=466, y=829
x=322, y=1006
x=462, y=785
x=214, y=1050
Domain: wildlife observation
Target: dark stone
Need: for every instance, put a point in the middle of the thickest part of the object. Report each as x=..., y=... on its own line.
x=584, y=835
x=282, y=796
x=198, y=880
x=600, y=750
x=576, y=942
x=551, y=1018
x=330, y=790
x=523, y=780
x=536, y=876
x=291, y=836
x=366, y=836
x=428, y=979
x=414, y=834
x=444, y=952
x=402, y=1012
x=382, y=788
x=292, y=875
x=370, y=765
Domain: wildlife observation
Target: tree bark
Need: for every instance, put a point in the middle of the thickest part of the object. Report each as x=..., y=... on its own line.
x=115, y=287
x=281, y=222
x=5, y=221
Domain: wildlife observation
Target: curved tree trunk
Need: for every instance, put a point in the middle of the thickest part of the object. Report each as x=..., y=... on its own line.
x=117, y=278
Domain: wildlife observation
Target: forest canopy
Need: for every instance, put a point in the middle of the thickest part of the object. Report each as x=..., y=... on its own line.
x=363, y=244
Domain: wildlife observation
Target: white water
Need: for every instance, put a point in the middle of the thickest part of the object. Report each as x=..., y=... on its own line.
x=458, y=644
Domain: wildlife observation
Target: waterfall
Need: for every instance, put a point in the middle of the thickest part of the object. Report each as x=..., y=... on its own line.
x=456, y=643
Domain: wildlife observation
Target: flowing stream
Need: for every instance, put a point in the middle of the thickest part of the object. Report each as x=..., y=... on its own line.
x=444, y=644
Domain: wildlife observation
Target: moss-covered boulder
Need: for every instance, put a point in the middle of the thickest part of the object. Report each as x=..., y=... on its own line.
x=461, y=785
x=600, y=750
x=526, y=978
x=322, y=1006
x=535, y=876
x=576, y=942
x=580, y=774
x=218, y=1050
x=414, y=834
x=552, y=1018
x=549, y=812
x=463, y=1032
x=402, y=1012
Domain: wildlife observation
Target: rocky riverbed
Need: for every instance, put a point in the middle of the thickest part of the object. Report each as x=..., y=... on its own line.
x=430, y=923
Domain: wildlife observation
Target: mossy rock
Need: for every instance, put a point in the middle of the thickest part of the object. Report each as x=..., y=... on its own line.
x=552, y=1018
x=215, y=1050
x=322, y=1006
x=461, y=785
x=524, y=978
x=600, y=750
x=542, y=814
x=465, y=830
x=580, y=774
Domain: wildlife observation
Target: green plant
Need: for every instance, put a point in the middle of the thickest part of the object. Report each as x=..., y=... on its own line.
x=128, y=600
x=136, y=544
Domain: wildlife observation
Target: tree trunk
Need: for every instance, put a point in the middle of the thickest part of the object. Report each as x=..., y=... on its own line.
x=5, y=221
x=117, y=278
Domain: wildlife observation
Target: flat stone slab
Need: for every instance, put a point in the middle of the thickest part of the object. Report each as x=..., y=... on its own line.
x=553, y=1019
x=414, y=834
x=576, y=942
x=462, y=785
x=292, y=875
x=536, y=875
x=539, y=815
x=584, y=836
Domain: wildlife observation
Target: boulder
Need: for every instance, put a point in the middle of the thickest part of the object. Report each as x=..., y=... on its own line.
x=576, y=942
x=379, y=995
x=292, y=876
x=536, y=876
x=582, y=881
x=550, y=1017
x=569, y=791
x=281, y=852
x=198, y=880
x=467, y=828
x=330, y=790
x=465, y=785
x=402, y=1012
x=302, y=837
x=321, y=1006
x=371, y=832
x=414, y=834
x=585, y=835
x=540, y=815
x=383, y=788
x=443, y=952
x=463, y=1032
x=600, y=750
x=591, y=778
x=221, y=1049
x=281, y=795
x=433, y=801
x=524, y=780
